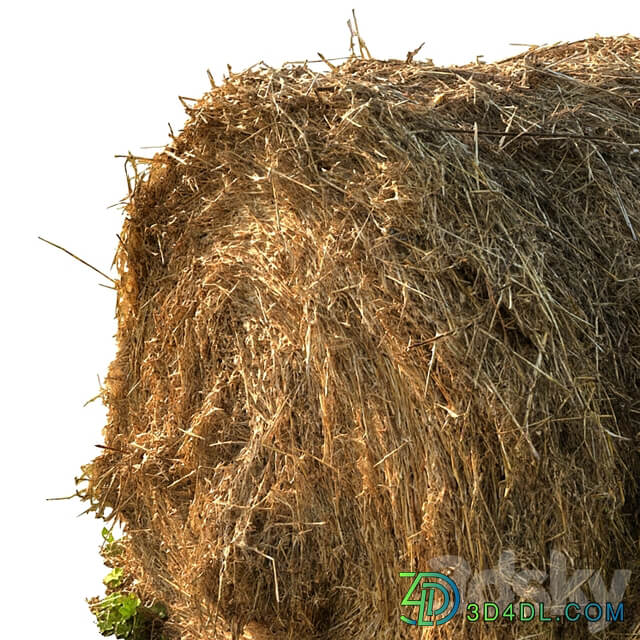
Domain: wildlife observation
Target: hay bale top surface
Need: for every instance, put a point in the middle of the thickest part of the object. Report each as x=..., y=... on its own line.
x=374, y=316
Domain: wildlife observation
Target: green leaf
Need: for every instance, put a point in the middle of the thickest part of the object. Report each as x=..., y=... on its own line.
x=104, y=626
x=123, y=628
x=128, y=606
x=107, y=535
x=113, y=578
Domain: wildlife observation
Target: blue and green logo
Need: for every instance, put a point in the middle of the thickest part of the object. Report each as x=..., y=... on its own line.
x=436, y=596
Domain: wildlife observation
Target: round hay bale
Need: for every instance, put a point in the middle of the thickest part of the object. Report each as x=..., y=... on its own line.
x=372, y=317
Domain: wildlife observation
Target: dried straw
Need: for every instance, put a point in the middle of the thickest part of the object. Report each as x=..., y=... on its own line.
x=374, y=316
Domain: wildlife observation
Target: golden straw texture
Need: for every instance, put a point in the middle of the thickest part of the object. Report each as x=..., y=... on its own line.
x=373, y=316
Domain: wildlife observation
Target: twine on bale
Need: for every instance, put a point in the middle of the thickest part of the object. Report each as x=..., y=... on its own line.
x=372, y=317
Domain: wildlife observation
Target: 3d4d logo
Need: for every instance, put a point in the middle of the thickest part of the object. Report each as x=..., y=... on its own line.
x=426, y=591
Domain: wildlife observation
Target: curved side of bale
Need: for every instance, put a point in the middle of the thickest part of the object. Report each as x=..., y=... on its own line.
x=373, y=317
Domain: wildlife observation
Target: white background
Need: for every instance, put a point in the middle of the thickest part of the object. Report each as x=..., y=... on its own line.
x=81, y=82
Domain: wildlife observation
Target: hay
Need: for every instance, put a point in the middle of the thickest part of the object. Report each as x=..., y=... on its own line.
x=371, y=317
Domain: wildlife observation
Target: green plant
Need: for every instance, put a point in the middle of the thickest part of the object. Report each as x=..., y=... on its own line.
x=114, y=578
x=116, y=614
x=121, y=613
x=111, y=547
